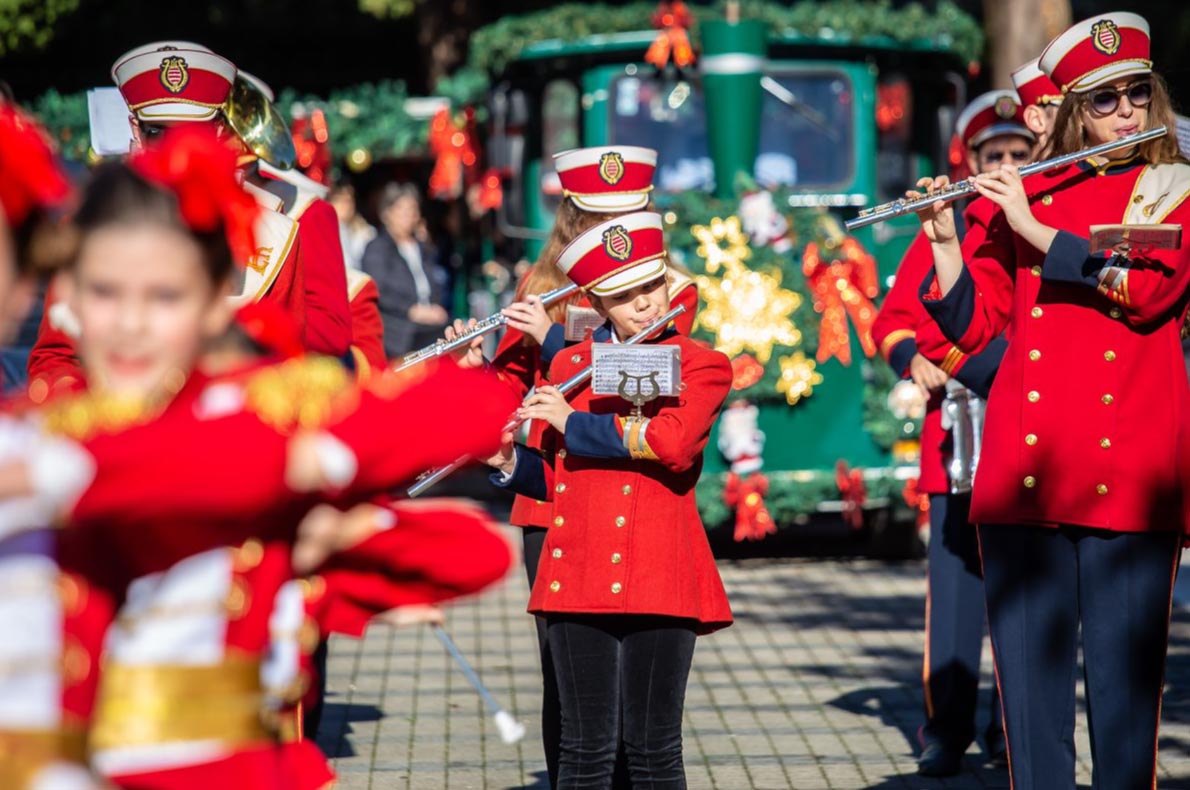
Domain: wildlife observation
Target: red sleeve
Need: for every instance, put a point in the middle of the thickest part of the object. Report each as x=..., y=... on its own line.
x=53, y=356
x=516, y=362
x=1153, y=282
x=367, y=328
x=981, y=302
x=901, y=313
x=677, y=434
x=688, y=298
x=438, y=413
x=438, y=550
x=328, y=317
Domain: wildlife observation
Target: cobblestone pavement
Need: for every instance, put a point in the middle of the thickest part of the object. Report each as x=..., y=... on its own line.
x=817, y=685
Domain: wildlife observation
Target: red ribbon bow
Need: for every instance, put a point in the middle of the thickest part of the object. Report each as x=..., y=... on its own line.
x=842, y=287
x=454, y=148
x=191, y=162
x=672, y=19
x=853, y=492
x=746, y=494
x=30, y=177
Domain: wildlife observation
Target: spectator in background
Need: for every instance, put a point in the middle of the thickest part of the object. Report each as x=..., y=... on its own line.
x=407, y=274
x=354, y=230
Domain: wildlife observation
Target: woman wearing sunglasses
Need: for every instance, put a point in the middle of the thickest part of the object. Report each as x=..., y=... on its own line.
x=1079, y=494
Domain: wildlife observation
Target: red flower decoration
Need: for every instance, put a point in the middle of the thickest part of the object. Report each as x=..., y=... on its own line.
x=29, y=173
x=191, y=162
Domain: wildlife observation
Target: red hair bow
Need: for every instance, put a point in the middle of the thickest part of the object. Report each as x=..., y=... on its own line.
x=191, y=162
x=272, y=328
x=29, y=174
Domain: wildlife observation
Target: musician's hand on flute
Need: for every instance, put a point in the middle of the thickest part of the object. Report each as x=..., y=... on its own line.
x=529, y=317
x=549, y=404
x=1005, y=188
x=472, y=355
x=937, y=219
x=504, y=460
x=928, y=377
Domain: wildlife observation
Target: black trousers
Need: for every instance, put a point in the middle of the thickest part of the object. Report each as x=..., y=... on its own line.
x=621, y=680
x=532, y=540
x=1041, y=584
x=954, y=631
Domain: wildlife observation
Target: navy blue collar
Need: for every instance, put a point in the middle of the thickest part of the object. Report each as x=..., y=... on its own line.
x=604, y=333
x=1113, y=167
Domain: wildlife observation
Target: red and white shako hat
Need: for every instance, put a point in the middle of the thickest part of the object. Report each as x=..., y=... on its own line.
x=607, y=179
x=1034, y=87
x=989, y=115
x=616, y=255
x=169, y=81
x=1097, y=51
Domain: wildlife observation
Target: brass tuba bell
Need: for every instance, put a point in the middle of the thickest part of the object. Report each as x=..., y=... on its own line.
x=251, y=115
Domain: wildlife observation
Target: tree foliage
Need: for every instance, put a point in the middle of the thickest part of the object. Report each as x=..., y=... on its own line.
x=30, y=23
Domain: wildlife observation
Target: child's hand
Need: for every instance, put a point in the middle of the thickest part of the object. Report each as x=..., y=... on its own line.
x=529, y=317
x=548, y=404
x=504, y=460
x=471, y=355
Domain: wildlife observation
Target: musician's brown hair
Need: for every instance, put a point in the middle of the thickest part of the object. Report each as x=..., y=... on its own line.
x=1069, y=136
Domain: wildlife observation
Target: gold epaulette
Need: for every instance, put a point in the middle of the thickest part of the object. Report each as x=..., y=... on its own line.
x=80, y=417
x=300, y=393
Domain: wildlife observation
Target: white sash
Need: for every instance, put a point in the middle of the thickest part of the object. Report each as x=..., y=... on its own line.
x=1159, y=190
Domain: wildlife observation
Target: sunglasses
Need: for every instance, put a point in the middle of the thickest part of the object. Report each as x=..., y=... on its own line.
x=996, y=157
x=1105, y=101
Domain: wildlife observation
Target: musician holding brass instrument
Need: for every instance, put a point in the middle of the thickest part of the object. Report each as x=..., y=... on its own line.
x=992, y=130
x=1080, y=492
x=626, y=580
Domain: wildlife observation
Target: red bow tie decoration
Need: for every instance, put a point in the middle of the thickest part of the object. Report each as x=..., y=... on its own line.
x=453, y=146
x=673, y=20
x=842, y=287
x=746, y=494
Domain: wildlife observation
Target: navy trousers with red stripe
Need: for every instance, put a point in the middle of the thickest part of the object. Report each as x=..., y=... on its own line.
x=954, y=630
x=1041, y=584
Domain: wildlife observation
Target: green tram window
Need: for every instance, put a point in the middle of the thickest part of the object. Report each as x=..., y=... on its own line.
x=560, y=104
x=806, y=134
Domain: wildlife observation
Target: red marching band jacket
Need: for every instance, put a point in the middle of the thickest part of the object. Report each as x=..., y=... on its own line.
x=1088, y=417
x=625, y=535
x=525, y=366
x=197, y=570
x=904, y=328
x=367, y=327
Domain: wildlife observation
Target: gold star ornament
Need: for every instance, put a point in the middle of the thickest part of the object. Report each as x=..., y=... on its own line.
x=798, y=377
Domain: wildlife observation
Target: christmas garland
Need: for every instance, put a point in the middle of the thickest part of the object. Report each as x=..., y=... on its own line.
x=495, y=46
x=794, y=496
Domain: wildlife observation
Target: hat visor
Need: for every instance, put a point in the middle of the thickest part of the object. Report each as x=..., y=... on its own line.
x=1000, y=130
x=631, y=277
x=167, y=112
x=613, y=202
x=1111, y=73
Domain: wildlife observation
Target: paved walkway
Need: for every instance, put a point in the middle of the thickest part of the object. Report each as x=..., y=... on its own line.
x=816, y=686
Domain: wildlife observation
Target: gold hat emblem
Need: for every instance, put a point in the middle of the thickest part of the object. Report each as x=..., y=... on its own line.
x=617, y=243
x=1105, y=37
x=175, y=74
x=611, y=168
x=1005, y=107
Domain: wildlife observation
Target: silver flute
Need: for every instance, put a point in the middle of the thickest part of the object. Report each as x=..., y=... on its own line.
x=487, y=325
x=433, y=476
x=949, y=194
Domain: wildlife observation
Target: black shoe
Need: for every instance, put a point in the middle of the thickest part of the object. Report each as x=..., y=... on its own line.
x=997, y=752
x=937, y=760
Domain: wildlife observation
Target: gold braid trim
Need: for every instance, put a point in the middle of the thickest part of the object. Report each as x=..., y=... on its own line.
x=83, y=416
x=302, y=393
